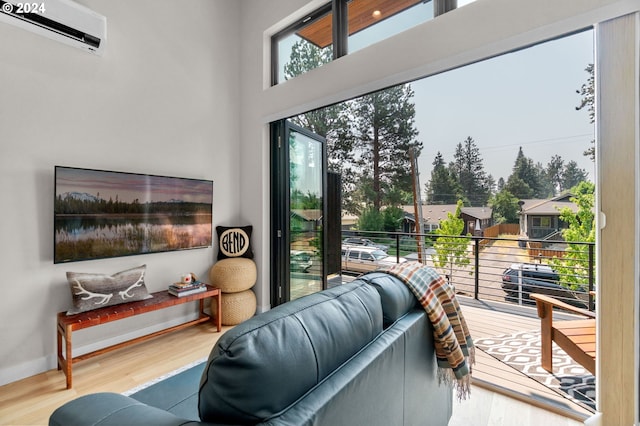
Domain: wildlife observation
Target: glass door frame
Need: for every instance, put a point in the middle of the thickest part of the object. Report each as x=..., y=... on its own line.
x=281, y=208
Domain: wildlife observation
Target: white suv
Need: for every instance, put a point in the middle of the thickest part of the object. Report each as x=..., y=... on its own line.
x=366, y=259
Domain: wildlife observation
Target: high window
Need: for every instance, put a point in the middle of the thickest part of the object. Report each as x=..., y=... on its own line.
x=345, y=26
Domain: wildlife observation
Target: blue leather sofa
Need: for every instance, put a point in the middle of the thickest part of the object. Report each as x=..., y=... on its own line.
x=358, y=354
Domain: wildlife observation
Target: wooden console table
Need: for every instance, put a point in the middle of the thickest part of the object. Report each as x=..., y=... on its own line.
x=67, y=324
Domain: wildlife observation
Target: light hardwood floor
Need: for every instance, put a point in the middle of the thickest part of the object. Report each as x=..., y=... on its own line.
x=32, y=400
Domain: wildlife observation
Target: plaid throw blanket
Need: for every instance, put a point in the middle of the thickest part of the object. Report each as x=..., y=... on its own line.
x=454, y=347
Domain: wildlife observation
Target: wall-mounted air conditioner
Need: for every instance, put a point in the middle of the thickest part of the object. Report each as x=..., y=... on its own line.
x=61, y=20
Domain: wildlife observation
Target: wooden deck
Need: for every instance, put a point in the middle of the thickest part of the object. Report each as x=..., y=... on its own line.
x=486, y=319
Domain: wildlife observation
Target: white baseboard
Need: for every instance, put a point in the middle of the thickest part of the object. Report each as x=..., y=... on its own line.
x=27, y=369
x=262, y=309
x=49, y=362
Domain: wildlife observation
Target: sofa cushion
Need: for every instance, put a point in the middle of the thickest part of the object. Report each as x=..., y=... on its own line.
x=246, y=378
x=396, y=298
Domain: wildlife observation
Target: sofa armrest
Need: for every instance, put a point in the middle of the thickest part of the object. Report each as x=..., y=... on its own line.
x=106, y=409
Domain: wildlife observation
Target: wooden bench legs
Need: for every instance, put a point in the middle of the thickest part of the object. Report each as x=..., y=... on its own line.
x=66, y=325
x=65, y=361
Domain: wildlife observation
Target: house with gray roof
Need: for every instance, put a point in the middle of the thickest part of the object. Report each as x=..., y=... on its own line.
x=540, y=219
x=475, y=218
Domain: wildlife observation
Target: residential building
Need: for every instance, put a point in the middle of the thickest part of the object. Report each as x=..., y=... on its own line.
x=184, y=89
x=540, y=219
x=475, y=218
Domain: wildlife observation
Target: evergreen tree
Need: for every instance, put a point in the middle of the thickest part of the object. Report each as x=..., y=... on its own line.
x=546, y=189
x=469, y=171
x=443, y=187
x=304, y=57
x=490, y=183
x=385, y=133
x=525, y=170
x=572, y=175
x=397, y=196
x=518, y=188
x=526, y=179
x=554, y=173
x=331, y=122
x=368, y=139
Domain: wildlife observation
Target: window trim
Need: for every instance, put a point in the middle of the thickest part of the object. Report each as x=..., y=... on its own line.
x=300, y=23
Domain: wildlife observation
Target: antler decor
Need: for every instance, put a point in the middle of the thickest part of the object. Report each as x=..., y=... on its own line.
x=125, y=293
x=90, y=295
x=93, y=291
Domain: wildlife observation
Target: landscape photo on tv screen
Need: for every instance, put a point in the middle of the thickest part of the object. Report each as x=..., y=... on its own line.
x=100, y=214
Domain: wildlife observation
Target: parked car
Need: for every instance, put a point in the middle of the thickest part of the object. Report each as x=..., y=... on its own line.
x=537, y=278
x=366, y=259
x=365, y=242
x=300, y=260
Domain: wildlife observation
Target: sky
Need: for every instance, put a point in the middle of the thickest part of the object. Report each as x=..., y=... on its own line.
x=129, y=186
x=523, y=99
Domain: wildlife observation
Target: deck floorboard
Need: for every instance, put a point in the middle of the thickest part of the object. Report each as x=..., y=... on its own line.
x=486, y=319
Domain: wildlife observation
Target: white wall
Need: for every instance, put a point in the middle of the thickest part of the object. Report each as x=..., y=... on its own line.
x=257, y=16
x=164, y=99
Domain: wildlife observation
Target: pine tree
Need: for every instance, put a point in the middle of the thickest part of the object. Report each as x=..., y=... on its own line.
x=527, y=179
x=469, y=171
x=331, y=122
x=572, y=175
x=304, y=57
x=554, y=173
x=385, y=133
x=545, y=188
x=519, y=188
x=443, y=187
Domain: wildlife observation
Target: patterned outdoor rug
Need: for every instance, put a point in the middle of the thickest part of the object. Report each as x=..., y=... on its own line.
x=522, y=352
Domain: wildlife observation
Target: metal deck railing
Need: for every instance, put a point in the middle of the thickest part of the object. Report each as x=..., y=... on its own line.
x=504, y=268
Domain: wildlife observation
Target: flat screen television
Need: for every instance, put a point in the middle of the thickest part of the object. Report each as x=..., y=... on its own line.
x=100, y=214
